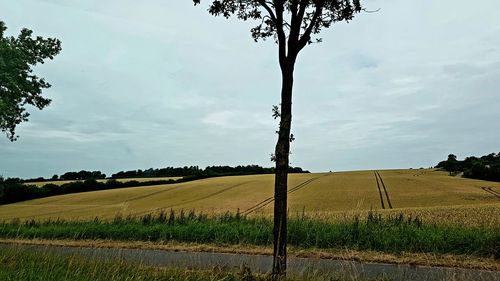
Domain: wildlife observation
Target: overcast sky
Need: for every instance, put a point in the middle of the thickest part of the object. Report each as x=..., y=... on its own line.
x=160, y=83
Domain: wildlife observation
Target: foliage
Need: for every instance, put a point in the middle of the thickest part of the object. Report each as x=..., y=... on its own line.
x=18, y=85
x=300, y=18
x=392, y=234
x=13, y=190
x=81, y=175
x=196, y=171
x=191, y=171
x=485, y=168
x=162, y=172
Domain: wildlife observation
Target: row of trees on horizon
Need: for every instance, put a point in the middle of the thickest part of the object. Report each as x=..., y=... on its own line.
x=81, y=175
x=16, y=190
x=195, y=170
x=185, y=171
x=486, y=167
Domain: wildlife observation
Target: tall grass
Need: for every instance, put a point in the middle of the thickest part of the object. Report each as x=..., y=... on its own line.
x=37, y=266
x=392, y=234
x=48, y=267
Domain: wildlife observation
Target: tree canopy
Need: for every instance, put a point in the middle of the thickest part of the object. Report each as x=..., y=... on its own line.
x=486, y=167
x=18, y=85
x=291, y=23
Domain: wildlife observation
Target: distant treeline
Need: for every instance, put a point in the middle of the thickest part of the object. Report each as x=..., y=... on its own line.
x=196, y=171
x=69, y=176
x=15, y=190
x=186, y=171
x=484, y=168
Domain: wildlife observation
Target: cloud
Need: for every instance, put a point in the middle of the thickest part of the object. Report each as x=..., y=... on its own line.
x=163, y=83
x=236, y=119
x=467, y=70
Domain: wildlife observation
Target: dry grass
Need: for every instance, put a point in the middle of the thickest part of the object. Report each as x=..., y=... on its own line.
x=460, y=261
x=432, y=195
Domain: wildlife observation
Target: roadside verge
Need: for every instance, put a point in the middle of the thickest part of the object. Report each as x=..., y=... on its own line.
x=432, y=260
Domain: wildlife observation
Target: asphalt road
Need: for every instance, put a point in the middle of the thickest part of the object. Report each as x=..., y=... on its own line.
x=262, y=264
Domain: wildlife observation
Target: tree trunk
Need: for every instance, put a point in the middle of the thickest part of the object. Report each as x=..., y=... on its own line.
x=281, y=173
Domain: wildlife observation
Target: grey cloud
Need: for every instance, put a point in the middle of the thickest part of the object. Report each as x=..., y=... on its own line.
x=134, y=89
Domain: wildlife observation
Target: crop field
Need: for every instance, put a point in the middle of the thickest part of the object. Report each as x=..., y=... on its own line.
x=426, y=193
x=61, y=182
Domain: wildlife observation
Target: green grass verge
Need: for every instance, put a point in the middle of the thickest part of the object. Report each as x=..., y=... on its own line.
x=31, y=266
x=36, y=266
x=391, y=234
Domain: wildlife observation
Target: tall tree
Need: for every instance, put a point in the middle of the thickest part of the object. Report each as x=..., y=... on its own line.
x=18, y=85
x=292, y=24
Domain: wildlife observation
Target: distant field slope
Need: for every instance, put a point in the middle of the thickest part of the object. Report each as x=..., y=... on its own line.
x=322, y=193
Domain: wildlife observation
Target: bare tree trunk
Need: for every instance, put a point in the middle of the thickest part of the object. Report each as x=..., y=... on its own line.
x=281, y=174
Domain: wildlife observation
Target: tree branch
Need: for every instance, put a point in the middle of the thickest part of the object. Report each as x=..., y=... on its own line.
x=278, y=5
x=297, y=17
x=306, y=37
x=293, y=7
x=264, y=4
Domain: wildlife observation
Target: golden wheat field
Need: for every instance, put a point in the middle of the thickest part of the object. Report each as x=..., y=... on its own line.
x=427, y=193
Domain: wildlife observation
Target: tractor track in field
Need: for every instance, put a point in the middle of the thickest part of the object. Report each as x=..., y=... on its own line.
x=87, y=207
x=491, y=191
x=379, y=191
x=270, y=199
x=150, y=194
x=385, y=190
x=47, y=202
x=191, y=201
x=379, y=178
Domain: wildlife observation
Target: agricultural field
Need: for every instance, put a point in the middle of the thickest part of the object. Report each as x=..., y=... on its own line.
x=425, y=193
x=61, y=182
